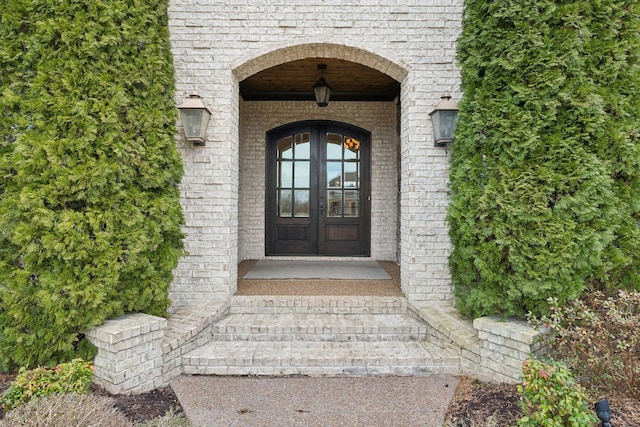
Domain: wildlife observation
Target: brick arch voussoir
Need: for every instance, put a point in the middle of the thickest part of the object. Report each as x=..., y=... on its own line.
x=272, y=56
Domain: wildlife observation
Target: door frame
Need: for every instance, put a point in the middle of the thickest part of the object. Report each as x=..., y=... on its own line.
x=316, y=221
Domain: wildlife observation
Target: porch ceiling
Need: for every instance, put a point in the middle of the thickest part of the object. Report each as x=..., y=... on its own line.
x=293, y=81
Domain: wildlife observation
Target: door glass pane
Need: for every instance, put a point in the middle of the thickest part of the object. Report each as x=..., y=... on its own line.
x=351, y=148
x=301, y=174
x=351, y=203
x=334, y=174
x=285, y=148
x=284, y=204
x=334, y=203
x=351, y=175
x=334, y=146
x=303, y=145
x=301, y=207
x=285, y=174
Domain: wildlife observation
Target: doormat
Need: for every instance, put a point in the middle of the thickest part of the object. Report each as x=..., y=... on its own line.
x=301, y=270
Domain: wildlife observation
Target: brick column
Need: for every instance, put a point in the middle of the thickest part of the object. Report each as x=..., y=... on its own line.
x=129, y=359
x=504, y=345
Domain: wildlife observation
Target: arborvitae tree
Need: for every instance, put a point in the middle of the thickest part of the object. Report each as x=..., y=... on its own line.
x=89, y=204
x=545, y=170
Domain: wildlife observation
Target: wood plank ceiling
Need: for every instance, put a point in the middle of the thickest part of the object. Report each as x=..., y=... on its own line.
x=293, y=81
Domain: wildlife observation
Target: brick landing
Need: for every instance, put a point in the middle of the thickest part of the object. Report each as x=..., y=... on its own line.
x=319, y=336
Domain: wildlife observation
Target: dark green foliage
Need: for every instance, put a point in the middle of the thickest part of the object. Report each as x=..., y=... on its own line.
x=89, y=209
x=546, y=164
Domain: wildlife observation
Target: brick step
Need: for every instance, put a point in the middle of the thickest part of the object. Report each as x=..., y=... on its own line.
x=282, y=358
x=318, y=304
x=319, y=327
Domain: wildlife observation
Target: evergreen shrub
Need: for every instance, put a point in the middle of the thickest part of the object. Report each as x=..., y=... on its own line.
x=89, y=204
x=545, y=170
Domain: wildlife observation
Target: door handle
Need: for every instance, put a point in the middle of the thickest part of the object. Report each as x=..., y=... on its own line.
x=321, y=209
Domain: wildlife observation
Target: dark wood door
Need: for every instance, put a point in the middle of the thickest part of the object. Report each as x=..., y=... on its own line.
x=318, y=190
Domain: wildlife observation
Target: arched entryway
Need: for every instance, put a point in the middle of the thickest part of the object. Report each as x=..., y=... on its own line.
x=318, y=190
x=223, y=190
x=272, y=95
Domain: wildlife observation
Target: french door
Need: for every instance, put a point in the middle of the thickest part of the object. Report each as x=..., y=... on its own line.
x=318, y=190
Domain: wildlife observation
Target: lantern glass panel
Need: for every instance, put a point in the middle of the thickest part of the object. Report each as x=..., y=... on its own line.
x=192, y=121
x=322, y=92
x=447, y=124
x=435, y=119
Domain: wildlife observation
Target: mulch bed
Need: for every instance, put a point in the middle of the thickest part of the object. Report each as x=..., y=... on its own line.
x=474, y=404
x=477, y=404
x=137, y=409
x=146, y=406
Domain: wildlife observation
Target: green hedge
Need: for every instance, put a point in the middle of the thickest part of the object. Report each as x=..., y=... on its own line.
x=89, y=204
x=545, y=170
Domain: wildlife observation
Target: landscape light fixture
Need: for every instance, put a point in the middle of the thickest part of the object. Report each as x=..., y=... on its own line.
x=195, y=118
x=321, y=89
x=604, y=412
x=444, y=117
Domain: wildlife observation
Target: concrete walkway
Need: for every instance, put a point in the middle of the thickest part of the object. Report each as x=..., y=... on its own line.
x=308, y=401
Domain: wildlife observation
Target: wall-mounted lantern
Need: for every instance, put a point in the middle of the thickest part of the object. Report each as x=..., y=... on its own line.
x=195, y=118
x=321, y=89
x=444, y=118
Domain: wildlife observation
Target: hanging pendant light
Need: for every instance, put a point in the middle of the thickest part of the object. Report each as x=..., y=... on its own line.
x=321, y=89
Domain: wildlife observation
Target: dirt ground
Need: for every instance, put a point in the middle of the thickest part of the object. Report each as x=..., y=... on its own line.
x=474, y=404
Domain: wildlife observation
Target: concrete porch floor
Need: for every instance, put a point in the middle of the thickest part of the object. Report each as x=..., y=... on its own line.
x=332, y=287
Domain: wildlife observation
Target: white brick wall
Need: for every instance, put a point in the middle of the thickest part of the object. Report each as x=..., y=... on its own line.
x=377, y=117
x=218, y=43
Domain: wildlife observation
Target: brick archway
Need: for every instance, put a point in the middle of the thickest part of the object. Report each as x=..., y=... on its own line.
x=275, y=55
x=255, y=118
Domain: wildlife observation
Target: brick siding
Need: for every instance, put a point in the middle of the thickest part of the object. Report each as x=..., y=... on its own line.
x=217, y=44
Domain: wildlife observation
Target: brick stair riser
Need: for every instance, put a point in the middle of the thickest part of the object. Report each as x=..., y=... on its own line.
x=320, y=366
x=318, y=326
x=309, y=360
x=303, y=326
x=316, y=310
x=323, y=371
x=329, y=337
x=310, y=306
x=320, y=358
